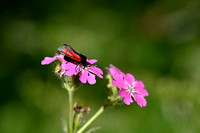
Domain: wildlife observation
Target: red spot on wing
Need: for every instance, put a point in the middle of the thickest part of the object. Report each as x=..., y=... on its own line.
x=71, y=54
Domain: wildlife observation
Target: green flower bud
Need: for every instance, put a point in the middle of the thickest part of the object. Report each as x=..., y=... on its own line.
x=113, y=96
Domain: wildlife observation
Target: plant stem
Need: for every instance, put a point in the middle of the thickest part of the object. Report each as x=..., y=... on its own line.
x=70, y=111
x=99, y=112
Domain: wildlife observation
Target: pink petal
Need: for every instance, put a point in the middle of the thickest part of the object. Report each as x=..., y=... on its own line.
x=129, y=78
x=91, y=78
x=96, y=71
x=142, y=92
x=48, y=60
x=118, y=82
x=113, y=70
x=138, y=84
x=68, y=65
x=70, y=69
x=118, y=77
x=92, y=61
x=128, y=100
x=127, y=96
x=70, y=72
x=119, y=85
x=83, y=76
x=123, y=92
x=141, y=101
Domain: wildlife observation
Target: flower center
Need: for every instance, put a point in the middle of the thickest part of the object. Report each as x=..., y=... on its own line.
x=131, y=88
x=81, y=67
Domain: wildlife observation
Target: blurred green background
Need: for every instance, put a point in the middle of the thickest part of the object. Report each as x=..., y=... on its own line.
x=156, y=41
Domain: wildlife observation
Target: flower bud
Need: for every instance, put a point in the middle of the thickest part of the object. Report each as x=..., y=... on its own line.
x=113, y=96
x=80, y=112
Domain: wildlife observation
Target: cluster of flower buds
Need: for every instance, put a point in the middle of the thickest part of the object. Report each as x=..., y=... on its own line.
x=80, y=111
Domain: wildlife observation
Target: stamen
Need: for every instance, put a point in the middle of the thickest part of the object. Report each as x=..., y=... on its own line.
x=131, y=89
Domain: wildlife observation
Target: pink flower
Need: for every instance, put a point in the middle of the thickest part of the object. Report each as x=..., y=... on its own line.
x=86, y=73
x=129, y=87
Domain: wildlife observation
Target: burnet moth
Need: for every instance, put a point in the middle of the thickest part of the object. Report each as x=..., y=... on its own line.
x=71, y=55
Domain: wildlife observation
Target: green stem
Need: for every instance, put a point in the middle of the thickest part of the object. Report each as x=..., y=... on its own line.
x=99, y=112
x=70, y=111
x=70, y=90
